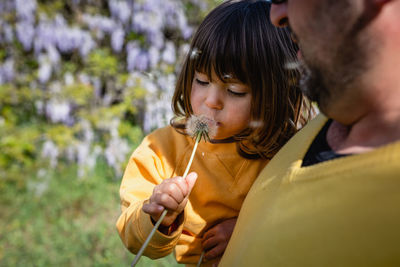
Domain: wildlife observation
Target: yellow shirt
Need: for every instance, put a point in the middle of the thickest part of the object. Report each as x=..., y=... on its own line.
x=224, y=179
x=342, y=212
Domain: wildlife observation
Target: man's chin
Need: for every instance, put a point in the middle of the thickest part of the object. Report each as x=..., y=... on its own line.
x=307, y=85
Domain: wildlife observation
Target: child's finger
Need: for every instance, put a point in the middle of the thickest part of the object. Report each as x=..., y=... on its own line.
x=215, y=264
x=191, y=180
x=210, y=242
x=153, y=209
x=165, y=200
x=210, y=233
x=174, y=190
x=215, y=252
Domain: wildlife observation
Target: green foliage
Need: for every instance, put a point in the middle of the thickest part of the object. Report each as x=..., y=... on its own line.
x=81, y=94
x=17, y=104
x=23, y=130
x=102, y=63
x=193, y=13
x=64, y=221
x=131, y=133
x=2, y=54
x=50, y=8
x=132, y=36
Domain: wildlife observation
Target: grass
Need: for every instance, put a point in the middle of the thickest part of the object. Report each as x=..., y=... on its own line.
x=61, y=220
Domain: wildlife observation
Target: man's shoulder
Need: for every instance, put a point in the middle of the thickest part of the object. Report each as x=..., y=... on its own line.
x=297, y=146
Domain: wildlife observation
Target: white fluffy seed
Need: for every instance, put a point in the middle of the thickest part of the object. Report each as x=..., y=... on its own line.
x=201, y=124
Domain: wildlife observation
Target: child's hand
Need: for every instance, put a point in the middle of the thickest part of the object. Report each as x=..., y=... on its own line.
x=216, y=239
x=171, y=194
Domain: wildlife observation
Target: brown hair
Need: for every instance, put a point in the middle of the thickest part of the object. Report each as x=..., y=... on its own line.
x=238, y=38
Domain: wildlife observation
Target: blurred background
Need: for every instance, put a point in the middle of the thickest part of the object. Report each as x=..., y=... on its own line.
x=81, y=83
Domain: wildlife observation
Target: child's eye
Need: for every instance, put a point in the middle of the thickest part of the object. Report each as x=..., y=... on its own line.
x=238, y=94
x=201, y=82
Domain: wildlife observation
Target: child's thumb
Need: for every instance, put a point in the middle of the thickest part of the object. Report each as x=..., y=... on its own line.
x=191, y=180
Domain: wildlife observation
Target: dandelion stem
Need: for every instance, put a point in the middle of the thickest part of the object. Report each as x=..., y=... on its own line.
x=201, y=259
x=146, y=242
x=198, y=138
x=139, y=254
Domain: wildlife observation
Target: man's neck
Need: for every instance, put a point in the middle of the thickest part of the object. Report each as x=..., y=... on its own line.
x=368, y=133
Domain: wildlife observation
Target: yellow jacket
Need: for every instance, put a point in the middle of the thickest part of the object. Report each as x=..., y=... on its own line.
x=341, y=212
x=224, y=179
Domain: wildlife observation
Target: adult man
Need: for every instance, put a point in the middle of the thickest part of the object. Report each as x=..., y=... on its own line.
x=331, y=196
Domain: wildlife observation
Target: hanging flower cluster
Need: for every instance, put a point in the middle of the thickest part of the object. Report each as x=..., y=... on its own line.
x=90, y=71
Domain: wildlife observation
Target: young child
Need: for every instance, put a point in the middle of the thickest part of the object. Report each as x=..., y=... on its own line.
x=235, y=75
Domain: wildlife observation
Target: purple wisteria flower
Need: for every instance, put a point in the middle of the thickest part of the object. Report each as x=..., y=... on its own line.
x=137, y=58
x=154, y=56
x=117, y=149
x=25, y=34
x=26, y=9
x=51, y=152
x=117, y=39
x=169, y=55
x=100, y=24
x=120, y=11
x=45, y=71
x=7, y=36
x=58, y=44
x=58, y=111
x=7, y=71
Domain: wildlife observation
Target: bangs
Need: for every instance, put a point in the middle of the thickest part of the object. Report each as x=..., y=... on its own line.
x=225, y=65
x=222, y=50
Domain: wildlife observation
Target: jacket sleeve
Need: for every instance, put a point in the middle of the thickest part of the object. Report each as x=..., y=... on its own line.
x=146, y=168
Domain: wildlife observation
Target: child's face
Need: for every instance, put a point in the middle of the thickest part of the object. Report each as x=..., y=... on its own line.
x=228, y=103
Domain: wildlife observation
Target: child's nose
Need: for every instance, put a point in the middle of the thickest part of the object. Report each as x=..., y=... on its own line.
x=213, y=99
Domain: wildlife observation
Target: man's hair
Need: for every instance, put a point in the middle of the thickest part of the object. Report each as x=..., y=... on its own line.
x=238, y=39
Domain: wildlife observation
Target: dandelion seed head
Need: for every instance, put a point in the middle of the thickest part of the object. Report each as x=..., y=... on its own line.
x=203, y=125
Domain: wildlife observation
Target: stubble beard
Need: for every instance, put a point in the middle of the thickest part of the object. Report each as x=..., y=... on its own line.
x=328, y=80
